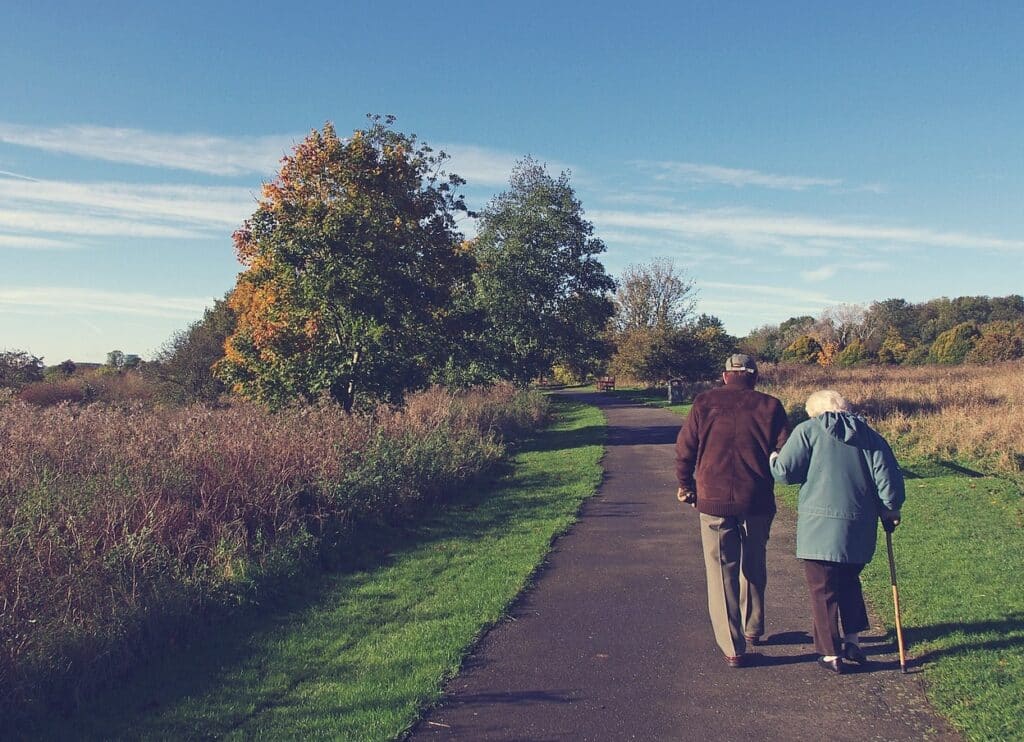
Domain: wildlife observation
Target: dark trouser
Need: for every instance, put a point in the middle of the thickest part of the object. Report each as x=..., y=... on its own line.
x=835, y=593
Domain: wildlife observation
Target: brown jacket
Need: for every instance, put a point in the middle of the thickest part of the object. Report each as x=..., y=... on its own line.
x=722, y=450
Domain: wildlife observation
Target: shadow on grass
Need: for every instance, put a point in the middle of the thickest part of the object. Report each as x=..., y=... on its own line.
x=1005, y=633
x=223, y=649
x=932, y=468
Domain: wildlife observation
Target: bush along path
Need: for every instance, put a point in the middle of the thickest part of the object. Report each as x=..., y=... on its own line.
x=357, y=655
x=614, y=642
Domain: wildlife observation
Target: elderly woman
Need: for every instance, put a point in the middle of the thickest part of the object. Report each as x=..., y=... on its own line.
x=849, y=480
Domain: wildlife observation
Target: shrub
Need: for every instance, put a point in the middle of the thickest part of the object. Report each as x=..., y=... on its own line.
x=854, y=354
x=804, y=349
x=953, y=345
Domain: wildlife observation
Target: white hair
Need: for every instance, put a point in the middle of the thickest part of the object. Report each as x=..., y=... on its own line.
x=826, y=400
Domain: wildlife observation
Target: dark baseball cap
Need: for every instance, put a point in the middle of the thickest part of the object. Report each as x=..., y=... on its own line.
x=741, y=362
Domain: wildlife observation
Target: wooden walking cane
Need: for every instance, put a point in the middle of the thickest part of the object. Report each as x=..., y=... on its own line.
x=896, y=602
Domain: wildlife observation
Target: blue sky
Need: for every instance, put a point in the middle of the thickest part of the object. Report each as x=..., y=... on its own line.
x=789, y=156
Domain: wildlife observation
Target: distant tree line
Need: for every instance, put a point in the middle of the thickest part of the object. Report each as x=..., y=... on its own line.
x=966, y=329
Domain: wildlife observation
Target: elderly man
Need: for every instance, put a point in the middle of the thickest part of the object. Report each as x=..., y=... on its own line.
x=722, y=466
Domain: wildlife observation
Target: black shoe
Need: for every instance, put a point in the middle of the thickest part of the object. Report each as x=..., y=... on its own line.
x=835, y=665
x=853, y=653
x=737, y=661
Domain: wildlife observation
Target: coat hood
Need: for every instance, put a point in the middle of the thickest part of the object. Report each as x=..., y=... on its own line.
x=845, y=426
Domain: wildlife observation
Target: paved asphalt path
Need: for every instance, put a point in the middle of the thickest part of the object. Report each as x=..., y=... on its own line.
x=613, y=642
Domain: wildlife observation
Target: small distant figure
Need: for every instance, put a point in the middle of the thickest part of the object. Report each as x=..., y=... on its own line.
x=723, y=470
x=849, y=479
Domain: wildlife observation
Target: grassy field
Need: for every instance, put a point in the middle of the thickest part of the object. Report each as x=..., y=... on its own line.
x=356, y=655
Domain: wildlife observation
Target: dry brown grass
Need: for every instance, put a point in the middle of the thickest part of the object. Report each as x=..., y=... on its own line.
x=118, y=523
x=966, y=412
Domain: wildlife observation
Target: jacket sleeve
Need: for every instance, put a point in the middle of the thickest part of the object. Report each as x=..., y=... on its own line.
x=780, y=427
x=687, y=445
x=887, y=475
x=790, y=467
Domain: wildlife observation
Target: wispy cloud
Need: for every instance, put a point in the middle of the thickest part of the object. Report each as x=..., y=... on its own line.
x=202, y=153
x=215, y=207
x=821, y=273
x=694, y=172
x=37, y=222
x=770, y=229
x=68, y=300
x=26, y=242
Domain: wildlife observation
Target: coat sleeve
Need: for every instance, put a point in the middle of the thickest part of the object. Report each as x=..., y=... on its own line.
x=780, y=427
x=887, y=475
x=791, y=465
x=687, y=444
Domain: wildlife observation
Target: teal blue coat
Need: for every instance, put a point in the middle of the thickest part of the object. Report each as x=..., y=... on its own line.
x=848, y=475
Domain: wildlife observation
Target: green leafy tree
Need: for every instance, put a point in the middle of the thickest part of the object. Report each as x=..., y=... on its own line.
x=18, y=368
x=351, y=264
x=894, y=349
x=539, y=285
x=804, y=349
x=854, y=354
x=953, y=345
x=184, y=365
x=763, y=343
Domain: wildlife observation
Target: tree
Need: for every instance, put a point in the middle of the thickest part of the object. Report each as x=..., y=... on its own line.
x=894, y=349
x=18, y=368
x=115, y=360
x=891, y=314
x=854, y=354
x=763, y=343
x=804, y=349
x=1002, y=340
x=350, y=264
x=953, y=345
x=184, y=365
x=654, y=295
x=542, y=292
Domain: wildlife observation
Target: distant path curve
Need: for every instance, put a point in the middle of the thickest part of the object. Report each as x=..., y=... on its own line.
x=614, y=643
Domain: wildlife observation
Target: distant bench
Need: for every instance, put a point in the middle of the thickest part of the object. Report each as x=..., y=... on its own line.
x=606, y=383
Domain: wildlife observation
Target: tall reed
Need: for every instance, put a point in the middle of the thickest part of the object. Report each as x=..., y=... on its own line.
x=119, y=526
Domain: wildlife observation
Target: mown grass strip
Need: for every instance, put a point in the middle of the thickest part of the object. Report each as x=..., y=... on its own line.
x=959, y=559
x=358, y=655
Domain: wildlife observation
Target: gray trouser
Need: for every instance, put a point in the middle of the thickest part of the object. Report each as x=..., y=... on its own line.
x=735, y=563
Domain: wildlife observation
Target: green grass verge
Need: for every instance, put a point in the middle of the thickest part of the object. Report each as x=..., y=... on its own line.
x=959, y=558
x=359, y=655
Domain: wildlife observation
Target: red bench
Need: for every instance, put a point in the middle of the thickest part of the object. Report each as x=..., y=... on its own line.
x=606, y=383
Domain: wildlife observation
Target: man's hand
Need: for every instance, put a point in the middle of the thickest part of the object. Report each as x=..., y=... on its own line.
x=890, y=519
x=686, y=496
x=772, y=456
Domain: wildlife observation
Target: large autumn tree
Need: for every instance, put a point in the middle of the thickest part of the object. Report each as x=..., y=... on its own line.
x=351, y=260
x=542, y=291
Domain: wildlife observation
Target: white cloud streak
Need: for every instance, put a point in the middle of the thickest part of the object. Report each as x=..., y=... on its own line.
x=694, y=172
x=211, y=207
x=84, y=225
x=766, y=229
x=202, y=153
x=25, y=242
x=66, y=300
